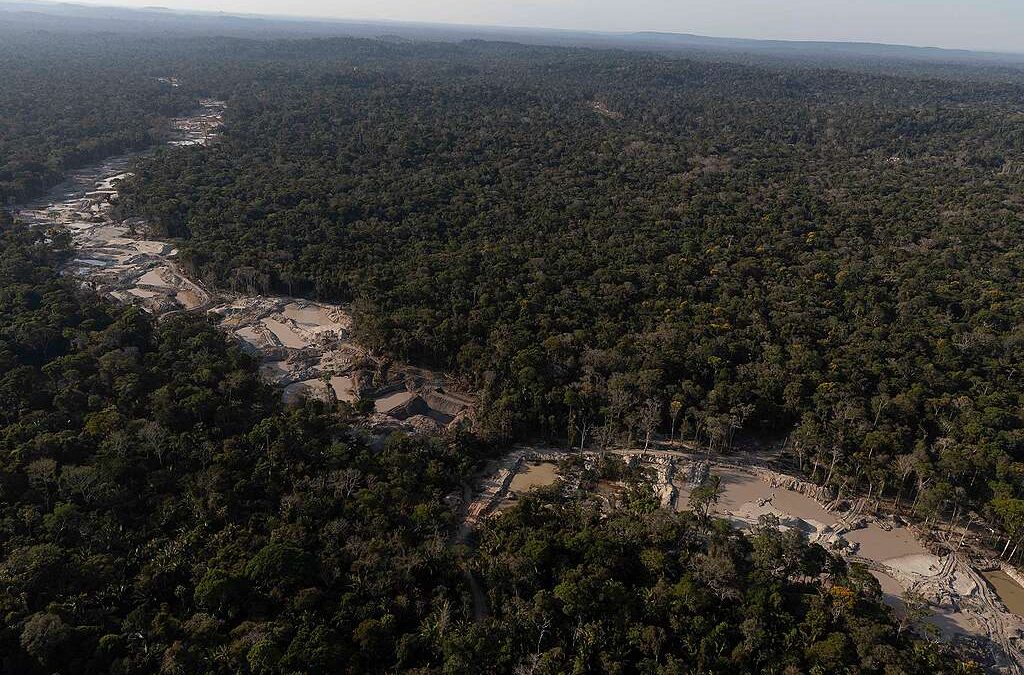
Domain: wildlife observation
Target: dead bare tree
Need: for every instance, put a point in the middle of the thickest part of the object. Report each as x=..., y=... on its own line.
x=905, y=465
x=605, y=436
x=620, y=400
x=647, y=421
x=675, y=407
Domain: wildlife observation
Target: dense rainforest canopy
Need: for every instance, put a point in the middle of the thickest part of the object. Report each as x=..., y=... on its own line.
x=827, y=255
x=66, y=102
x=591, y=239
x=161, y=511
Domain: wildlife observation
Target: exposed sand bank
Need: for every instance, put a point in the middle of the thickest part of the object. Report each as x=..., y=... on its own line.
x=305, y=346
x=391, y=401
x=284, y=334
x=344, y=388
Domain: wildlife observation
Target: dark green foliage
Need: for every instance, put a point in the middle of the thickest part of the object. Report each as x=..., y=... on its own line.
x=279, y=566
x=161, y=511
x=826, y=253
x=588, y=235
x=70, y=102
x=159, y=507
x=575, y=590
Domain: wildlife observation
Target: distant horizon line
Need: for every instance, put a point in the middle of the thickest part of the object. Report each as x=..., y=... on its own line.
x=321, y=19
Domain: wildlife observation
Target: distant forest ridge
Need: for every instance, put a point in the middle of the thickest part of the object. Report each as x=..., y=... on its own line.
x=47, y=16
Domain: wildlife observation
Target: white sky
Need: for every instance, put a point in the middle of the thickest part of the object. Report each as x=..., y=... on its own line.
x=971, y=24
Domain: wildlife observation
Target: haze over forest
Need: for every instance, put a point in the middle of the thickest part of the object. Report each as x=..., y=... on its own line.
x=986, y=25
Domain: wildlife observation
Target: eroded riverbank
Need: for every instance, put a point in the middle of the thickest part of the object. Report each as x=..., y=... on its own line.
x=304, y=347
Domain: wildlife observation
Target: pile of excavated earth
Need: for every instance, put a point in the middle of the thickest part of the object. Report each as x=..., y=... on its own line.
x=971, y=597
x=303, y=347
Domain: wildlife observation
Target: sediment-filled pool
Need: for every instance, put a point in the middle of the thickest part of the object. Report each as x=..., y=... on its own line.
x=1008, y=590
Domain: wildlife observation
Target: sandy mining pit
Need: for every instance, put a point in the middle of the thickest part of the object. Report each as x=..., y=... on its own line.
x=533, y=475
x=304, y=347
x=965, y=603
x=962, y=604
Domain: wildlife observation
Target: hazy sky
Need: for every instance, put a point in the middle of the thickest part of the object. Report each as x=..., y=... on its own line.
x=975, y=24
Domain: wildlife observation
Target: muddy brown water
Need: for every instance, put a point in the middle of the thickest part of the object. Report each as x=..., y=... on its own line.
x=534, y=475
x=310, y=316
x=1008, y=590
x=740, y=489
x=878, y=544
